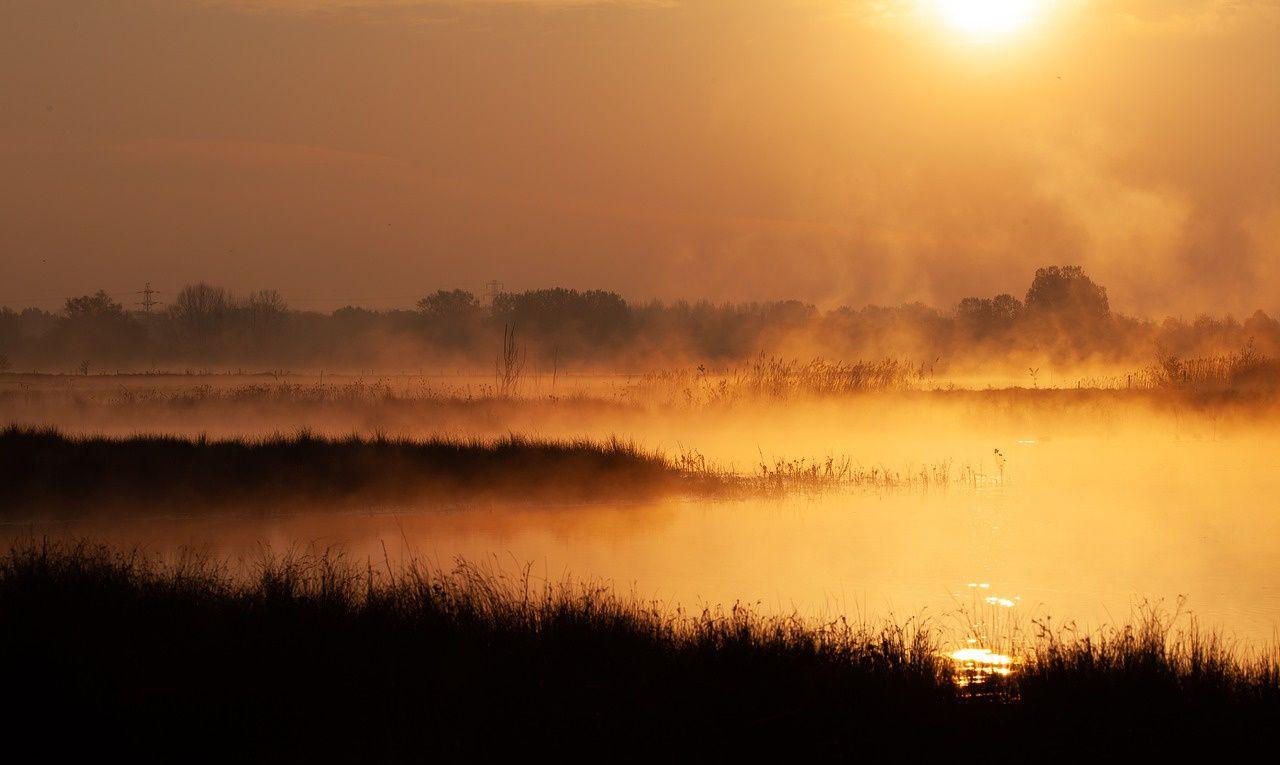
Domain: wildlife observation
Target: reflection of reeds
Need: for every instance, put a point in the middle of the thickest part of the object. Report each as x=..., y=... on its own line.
x=394, y=662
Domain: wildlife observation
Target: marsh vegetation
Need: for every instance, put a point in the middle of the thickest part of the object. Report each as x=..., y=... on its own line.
x=45, y=469
x=412, y=661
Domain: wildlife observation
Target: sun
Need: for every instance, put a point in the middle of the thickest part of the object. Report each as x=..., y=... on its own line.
x=988, y=18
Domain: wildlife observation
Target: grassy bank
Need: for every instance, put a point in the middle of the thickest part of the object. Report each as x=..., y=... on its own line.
x=300, y=658
x=46, y=470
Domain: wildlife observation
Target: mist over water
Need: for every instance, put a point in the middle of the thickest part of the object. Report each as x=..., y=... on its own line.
x=1091, y=507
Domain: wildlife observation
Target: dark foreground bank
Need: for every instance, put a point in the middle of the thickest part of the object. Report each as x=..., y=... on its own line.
x=311, y=659
x=45, y=471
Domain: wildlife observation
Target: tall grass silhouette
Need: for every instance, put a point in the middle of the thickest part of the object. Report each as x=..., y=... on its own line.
x=43, y=468
x=312, y=655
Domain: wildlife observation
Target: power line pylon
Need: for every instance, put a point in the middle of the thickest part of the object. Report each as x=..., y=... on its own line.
x=493, y=289
x=148, y=301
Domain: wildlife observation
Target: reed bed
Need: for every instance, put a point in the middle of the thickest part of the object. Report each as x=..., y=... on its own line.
x=769, y=378
x=1246, y=377
x=303, y=656
x=1246, y=373
x=279, y=391
x=43, y=470
x=805, y=475
x=764, y=379
x=782, y=476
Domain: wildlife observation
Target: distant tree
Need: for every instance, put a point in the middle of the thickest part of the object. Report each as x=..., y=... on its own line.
x=267, y=302
x=1066, y=291
x=984, y=317
x=260, y=317
x=199, y=303
x=452, y=318
x=1266, y=330
x=96, y=307
x=974, y=310
x=1261, y=323
x=34, y=322
x=1006, y=308
x=10, y=326
x=448, y=305
x=199, y=311
x=95, y=327
x=578, y=323
x=265, y=310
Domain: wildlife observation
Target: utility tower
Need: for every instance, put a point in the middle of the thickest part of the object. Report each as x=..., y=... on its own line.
x=148, y=301
x=491, y=290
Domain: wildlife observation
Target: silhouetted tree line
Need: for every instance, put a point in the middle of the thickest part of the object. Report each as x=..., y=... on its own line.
x=1064, y=316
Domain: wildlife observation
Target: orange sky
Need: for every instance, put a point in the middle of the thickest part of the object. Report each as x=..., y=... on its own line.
x=830, y=150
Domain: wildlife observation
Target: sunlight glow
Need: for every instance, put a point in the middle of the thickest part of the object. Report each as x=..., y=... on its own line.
x=977, y=665
x=981, y=657
x=988, y=18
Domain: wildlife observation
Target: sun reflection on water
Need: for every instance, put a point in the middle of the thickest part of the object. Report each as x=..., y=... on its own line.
x=983, y=657
x=977, y=665
x=992, y=631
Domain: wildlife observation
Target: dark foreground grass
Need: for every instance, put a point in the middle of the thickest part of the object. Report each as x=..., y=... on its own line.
x=44, y=470
x=311, y=659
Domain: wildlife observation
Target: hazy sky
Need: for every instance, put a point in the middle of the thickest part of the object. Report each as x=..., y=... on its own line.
x=837, y=151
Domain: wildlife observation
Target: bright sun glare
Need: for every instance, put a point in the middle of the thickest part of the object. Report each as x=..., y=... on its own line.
x=988, y=18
